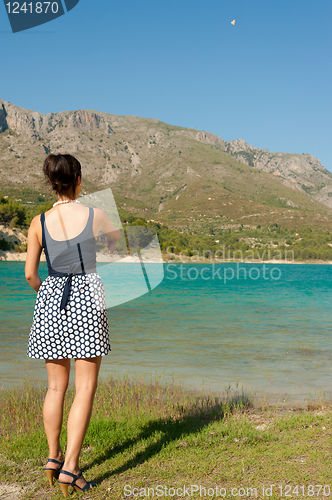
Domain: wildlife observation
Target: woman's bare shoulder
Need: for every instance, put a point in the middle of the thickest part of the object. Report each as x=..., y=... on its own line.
x=103, y=222
x=35, y=223
x=100, y=216
x=99, y=212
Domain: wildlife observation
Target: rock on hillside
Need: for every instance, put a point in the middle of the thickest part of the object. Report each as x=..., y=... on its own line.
x=36, y=124
x=209, y=138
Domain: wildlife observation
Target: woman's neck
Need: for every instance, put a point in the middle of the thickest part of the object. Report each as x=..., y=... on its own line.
x=65, y=198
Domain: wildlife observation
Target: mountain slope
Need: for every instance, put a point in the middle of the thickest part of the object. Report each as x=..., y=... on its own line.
x=187, y=178
x=303, y=172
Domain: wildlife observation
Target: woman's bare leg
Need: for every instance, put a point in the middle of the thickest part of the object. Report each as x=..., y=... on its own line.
x=58, y=371
x=86, y=377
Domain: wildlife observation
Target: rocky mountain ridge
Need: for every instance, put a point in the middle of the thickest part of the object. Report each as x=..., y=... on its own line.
x=160, y=168
x=302, y=172
x=35, y=124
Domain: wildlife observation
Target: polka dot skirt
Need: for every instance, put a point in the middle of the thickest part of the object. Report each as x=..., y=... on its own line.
x=80, y=330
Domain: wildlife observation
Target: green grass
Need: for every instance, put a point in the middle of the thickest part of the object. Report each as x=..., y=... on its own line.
x=148, y=434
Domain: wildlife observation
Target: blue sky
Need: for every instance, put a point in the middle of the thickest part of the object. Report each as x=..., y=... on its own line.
x=267, y=79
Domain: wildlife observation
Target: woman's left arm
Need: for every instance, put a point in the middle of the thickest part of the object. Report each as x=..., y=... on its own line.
x=33, y=255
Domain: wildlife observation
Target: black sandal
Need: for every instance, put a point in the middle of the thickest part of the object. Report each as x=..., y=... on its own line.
x=53, y=473
x=64, y=486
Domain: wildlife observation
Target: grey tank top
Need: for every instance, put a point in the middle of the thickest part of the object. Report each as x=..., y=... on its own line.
x=67, y=258
x=75, y=255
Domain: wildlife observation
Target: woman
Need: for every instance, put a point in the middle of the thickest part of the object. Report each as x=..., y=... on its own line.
x=70, y=318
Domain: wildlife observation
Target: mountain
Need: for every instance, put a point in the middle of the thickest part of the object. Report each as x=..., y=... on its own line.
x=189, y=179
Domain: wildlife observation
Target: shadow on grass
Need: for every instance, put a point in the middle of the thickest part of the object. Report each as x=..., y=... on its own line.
x=192, y=421
x=169, y=414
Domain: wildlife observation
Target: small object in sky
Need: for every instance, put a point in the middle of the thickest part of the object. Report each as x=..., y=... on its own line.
x=233, y=22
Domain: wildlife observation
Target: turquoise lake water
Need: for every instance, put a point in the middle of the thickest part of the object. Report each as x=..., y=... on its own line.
x=267, y=329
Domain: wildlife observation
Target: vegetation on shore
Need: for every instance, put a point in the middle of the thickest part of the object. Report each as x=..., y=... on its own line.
x=147, y=434
x=236, y=242
x=240, y=242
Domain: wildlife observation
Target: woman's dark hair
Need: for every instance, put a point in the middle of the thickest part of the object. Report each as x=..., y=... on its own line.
x=62, y=171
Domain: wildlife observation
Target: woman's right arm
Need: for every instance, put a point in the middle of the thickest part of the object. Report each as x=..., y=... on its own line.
x=33, y=254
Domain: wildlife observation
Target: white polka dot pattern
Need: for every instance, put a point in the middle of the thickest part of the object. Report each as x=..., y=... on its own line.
x=80, y=330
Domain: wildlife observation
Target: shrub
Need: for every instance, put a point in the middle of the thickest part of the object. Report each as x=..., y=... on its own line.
x=5, y=245
x=11, y=212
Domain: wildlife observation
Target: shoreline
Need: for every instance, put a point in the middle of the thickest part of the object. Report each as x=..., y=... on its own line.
x=280, y=401
x=291, y=397
x=12, y=256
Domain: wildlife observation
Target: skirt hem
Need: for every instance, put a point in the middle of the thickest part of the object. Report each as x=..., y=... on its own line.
x=70, y=357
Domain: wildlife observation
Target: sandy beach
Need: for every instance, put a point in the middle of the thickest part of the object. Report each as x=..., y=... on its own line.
x=12, y=256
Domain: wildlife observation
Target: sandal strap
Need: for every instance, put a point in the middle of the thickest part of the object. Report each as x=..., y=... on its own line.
x=88, y=486
x=74, y=476
x=55, y=461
